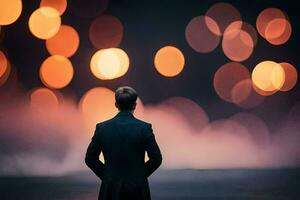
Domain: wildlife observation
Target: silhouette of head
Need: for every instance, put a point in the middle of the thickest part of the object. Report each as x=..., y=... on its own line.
x=125, y=98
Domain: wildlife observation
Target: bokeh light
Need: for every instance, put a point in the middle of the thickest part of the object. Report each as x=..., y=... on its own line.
x=200, y=37
x=251, y=31
x=278, y=31
x=88, y=9
x=97, y=105
x=236, y=27
x=109, y=63
x=244, y=95
x=265, y=17
x=44, y=22
x=291, y=76
x=106, y=31
x=3, y=64
x=237, y=44
x=223, y=14
x=268, y=76
x=4, y=68
x=273, y=25
x=59, y=5
x=65, y=42
x=169, y=61
x=256, y=127
x=43, y=99
x=241, y=91
x=191, y=112
x=227, y=76
x=10, y=10
x=263, y=92
x=56, y=72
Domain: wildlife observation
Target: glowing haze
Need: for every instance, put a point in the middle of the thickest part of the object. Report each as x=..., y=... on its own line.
x=53, y=141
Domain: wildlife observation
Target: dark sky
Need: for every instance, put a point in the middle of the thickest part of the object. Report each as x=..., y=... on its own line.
x=148, y=26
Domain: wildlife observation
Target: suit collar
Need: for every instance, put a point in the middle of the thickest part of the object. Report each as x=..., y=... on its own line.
x=124, y=113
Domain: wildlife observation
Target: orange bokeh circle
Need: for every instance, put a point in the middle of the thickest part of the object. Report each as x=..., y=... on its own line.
x=44, y=22
x=278, y=31
x=200, y=37
x=268, y=76
x=59, y=5
x=5, y=68
x=42, y=98
x=3, y=64
x=56, y=72
x=65, y=42
x=291, y=76
x=237, y=44
x=106, y=31
x=223, y=14
x=273, y=25
x=97, y=105
x=107, y=64
x=227, y=76
x=169, y=61
x=10, y=11
x=244, y=95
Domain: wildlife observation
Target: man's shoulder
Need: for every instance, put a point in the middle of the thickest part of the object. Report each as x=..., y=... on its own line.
x=103, y=123
x=136, y=121
x=142, y=123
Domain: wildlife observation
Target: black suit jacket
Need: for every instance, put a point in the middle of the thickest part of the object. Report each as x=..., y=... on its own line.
x=123, y=141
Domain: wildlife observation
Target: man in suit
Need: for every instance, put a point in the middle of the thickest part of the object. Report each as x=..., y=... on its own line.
x=123, y=140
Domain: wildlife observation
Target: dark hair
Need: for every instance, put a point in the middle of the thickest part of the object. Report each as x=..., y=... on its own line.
x=125, y=98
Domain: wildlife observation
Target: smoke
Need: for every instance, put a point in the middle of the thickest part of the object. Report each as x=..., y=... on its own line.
x=49, y=141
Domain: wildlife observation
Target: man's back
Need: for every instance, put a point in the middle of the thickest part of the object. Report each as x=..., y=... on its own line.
x=123, y=141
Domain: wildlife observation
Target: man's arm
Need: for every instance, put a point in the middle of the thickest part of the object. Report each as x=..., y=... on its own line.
x=92, y=155
x=153, y=151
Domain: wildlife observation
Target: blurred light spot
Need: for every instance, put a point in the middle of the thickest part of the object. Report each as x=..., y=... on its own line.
x=291, y=76
x=256, y=127
x=227, y=76
x=200, y=37
x=43, y=99
x=65, y=42
x=251, y=31
x=263, y=92
x=236, y=27
x=237, y=44
x=56, y=72
x=4, y=68
x=194, y=115
x=123, y=60
x=3, y=64
x=265, y=17
x=97, y=105
x=109, y=63
x=278, y=31
x=59, y=5
x=44, y=22
x=244, y=95
x=106, y=31
x=223, y=14
x=90, y=8
x=241, y=91
x=169, y=61
x=273, y=25
x=268, y=76
x=10, y=10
